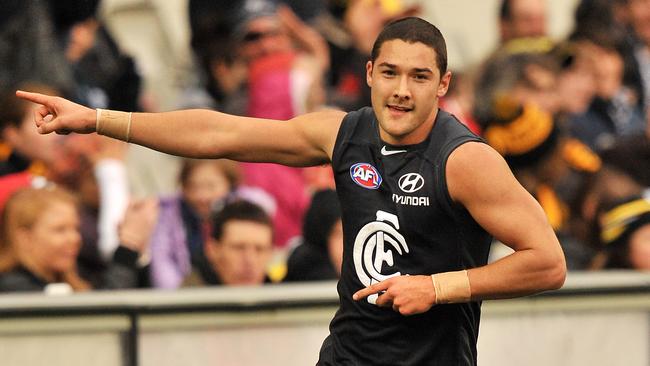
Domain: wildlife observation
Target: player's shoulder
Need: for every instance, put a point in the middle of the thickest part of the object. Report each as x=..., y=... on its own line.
x=473, y=159
x=474, y=148
x=475, y=167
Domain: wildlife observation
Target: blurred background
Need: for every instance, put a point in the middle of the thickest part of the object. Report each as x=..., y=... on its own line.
x=197, y=258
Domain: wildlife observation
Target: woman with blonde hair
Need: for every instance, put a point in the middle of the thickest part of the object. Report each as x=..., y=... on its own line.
x=41, y=241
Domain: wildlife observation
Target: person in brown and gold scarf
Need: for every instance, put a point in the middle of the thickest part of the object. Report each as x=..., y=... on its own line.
x=547, y=162
x=624, y=233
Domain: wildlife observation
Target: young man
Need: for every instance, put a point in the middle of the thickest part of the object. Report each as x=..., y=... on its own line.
x=239, y=249
x=419, y=196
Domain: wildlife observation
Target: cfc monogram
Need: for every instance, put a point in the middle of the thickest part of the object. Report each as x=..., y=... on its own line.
x=374, y=247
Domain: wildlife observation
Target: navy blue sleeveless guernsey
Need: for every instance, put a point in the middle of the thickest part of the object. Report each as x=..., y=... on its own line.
x=398, y=219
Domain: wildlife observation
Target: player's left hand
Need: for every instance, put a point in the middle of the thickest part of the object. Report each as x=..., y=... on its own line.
x=407, y=295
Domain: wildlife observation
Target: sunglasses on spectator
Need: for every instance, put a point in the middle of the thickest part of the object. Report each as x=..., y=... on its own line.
x=256, y=36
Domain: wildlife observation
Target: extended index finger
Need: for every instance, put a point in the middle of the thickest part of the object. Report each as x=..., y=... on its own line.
x=34, y=97
x=372, y=289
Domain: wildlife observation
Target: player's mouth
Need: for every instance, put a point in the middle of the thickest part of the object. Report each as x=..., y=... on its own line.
x=398, y=110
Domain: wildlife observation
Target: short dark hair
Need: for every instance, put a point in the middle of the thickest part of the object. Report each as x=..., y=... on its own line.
x=411, y=30
x=13, y=109
x=238, y=210
x=67, y=13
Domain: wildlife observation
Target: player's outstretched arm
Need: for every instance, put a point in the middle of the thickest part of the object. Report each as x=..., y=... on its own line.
x=479, y=178
x=302, y=141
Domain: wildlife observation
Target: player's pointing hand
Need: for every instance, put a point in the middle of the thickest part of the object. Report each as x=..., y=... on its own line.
x=407, y=295
x=56, y=114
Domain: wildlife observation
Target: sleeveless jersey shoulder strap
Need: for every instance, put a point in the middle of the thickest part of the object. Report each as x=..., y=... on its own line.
x=447, y=135
x=357, y=127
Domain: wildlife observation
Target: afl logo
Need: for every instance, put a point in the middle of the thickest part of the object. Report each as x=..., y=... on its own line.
x=410, y=182
x=365, y=175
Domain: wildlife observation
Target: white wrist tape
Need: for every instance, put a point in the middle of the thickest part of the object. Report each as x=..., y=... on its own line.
x=115, y=124
x=452, y=287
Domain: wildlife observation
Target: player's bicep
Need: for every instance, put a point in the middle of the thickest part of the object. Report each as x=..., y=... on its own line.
x=301, y=141
x=319, y=130
x=479, y=179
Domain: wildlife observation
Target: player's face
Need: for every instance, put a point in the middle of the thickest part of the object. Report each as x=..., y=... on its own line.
x=405, y=87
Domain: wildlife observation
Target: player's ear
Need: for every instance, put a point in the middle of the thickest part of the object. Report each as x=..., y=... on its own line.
x=444, y=84
x=369, y=73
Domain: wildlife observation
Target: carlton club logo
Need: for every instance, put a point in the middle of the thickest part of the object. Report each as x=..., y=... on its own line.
x=374, y=249
x=365, y=175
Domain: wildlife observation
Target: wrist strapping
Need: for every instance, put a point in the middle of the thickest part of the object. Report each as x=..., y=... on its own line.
x=115, y=124
x=451, y=287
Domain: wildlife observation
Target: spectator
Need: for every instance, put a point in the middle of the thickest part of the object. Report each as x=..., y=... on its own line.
x=286, y=60
x=27, y=158
x=240, y=248
x=41, y=242
x=101, y=185
x=576, y=85
x=606, y=185
x=638, y=12
x=351, y=32
x=320, y=253
x=615, y=111
x=229, y=42
x=616, y=18
x=625, y=233
x=522, y=19
x=632, y=156
x=548, y=164
x=222, y=73
x=183, y=226
x=103, y=76
x=520, y=75
x=26, y=149
x=606, y=15
x=261, y=28
x=92, y=166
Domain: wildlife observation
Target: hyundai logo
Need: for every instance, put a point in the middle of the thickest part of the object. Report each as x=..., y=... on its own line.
x=411, y=182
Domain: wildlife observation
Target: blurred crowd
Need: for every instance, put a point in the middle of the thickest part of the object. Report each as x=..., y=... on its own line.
x=570, y=116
